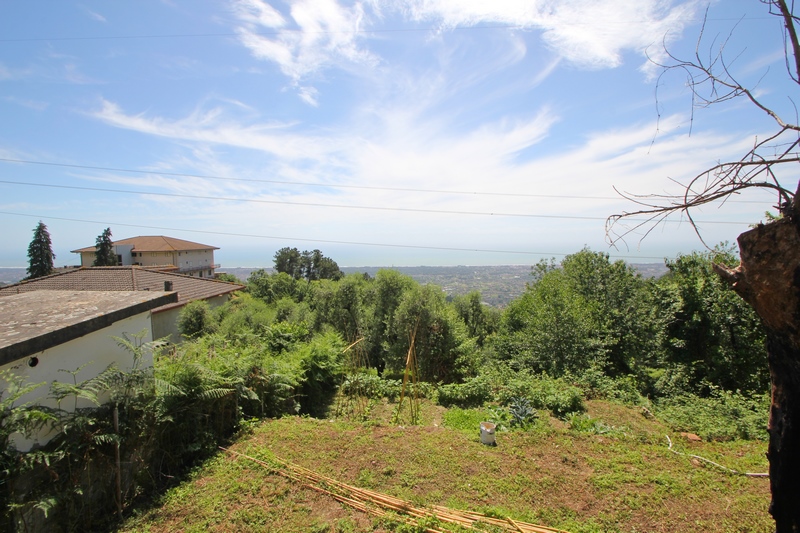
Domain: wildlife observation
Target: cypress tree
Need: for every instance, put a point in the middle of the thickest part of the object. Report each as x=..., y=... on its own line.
x=104, y=250
x=40, y=253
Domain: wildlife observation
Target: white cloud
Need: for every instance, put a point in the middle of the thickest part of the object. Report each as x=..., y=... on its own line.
x=309, y=95
x=258, y=13
x=587, y=33
x=7, y=73
x=94, y=15
x=211, y=126
x=324, y=33
x=27, y=102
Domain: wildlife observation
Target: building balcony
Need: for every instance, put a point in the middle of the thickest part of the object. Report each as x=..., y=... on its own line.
x=196, y=268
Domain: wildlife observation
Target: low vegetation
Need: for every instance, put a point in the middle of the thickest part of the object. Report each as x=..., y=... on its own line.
x=607, y=470
x=381, y=382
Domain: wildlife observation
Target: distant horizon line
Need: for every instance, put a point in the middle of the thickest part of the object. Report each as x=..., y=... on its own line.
x=368, y=266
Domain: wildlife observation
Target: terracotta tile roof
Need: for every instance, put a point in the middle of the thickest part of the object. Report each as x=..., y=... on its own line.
x=126, y=278
x=155, y=243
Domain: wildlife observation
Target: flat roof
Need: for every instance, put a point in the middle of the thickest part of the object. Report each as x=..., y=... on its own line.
x=31, y=322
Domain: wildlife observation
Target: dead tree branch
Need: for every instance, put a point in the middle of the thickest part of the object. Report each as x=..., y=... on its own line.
x=711, y=82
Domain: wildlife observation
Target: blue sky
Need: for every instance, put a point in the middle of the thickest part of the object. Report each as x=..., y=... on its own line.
x=410, y=132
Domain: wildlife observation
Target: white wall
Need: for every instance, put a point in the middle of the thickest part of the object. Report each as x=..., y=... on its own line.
x=96, y=351
x=124, y=251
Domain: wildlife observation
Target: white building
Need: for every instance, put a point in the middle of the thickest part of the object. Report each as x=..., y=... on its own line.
x=43, y=333
x=191, y=258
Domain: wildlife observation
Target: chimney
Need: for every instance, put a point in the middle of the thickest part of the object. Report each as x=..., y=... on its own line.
x=167, y=286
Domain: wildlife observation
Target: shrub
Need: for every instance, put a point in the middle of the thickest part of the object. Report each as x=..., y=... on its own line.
x=724, y=415
x=375, y=387
x=321, y=362
x=554, y=394
x=196, y=319
x=596, y=384
x=472, y=393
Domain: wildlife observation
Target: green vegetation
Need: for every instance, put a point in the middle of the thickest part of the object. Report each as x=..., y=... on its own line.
x=40, y=253
x=612, y=474
x=590, y=339
x=104, y=250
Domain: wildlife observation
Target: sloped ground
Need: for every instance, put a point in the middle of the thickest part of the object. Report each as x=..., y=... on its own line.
x=623, y=479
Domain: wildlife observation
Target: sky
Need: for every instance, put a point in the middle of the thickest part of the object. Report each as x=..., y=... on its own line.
x=384, y=133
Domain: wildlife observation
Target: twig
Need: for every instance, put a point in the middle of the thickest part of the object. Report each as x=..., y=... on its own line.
x=731, y=470
x=361, y=498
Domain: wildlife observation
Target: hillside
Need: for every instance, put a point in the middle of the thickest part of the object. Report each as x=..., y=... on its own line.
x=614, y=474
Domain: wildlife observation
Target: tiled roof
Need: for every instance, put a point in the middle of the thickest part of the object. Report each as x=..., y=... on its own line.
x=126, y=278
x=155, y=243
x=32, y=322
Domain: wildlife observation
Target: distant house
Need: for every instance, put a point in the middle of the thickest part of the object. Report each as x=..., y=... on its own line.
x=191, y=258
x=164, y=318
x=44, y=332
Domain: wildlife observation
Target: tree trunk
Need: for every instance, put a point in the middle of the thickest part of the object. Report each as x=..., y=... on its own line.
x=768, y=278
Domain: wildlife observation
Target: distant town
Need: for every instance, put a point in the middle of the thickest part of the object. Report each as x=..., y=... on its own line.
x=498, y=284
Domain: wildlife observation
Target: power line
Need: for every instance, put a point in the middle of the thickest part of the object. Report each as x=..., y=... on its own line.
x=308, y=184
x=339, y=32
x=333, y=206
x=300, y=239
x=329, y=185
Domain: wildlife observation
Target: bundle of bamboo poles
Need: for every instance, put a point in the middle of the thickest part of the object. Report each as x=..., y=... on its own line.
x=378, y=504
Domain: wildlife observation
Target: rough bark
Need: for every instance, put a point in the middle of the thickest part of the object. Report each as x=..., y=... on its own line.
x=768, y=278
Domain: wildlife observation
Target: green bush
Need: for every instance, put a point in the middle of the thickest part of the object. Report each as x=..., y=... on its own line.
x=472, y=393
x=724, y=415
x=596, y=384
x=196, y=319
x=321, y=363
x=244, y=317
x=553, y=394
x=375, y=387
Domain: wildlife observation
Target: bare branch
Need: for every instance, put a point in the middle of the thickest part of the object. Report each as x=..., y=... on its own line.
x=789, y=21
x=711, y=81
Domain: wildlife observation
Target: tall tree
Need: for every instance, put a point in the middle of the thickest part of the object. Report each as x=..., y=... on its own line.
x=287, y=260
x=708, y=329
x=40, y=253
x=767, y=277
x=104, y=250
x=438, y=335
x=310, y=266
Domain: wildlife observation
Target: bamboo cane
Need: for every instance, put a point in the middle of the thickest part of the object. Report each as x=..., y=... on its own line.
x=360, y=499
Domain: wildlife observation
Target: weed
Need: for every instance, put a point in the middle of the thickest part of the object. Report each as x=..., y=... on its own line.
x=585, y=424
x=464, y=419
x=522, y=414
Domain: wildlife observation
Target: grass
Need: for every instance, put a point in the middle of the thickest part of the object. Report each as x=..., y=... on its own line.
x=579, y=480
